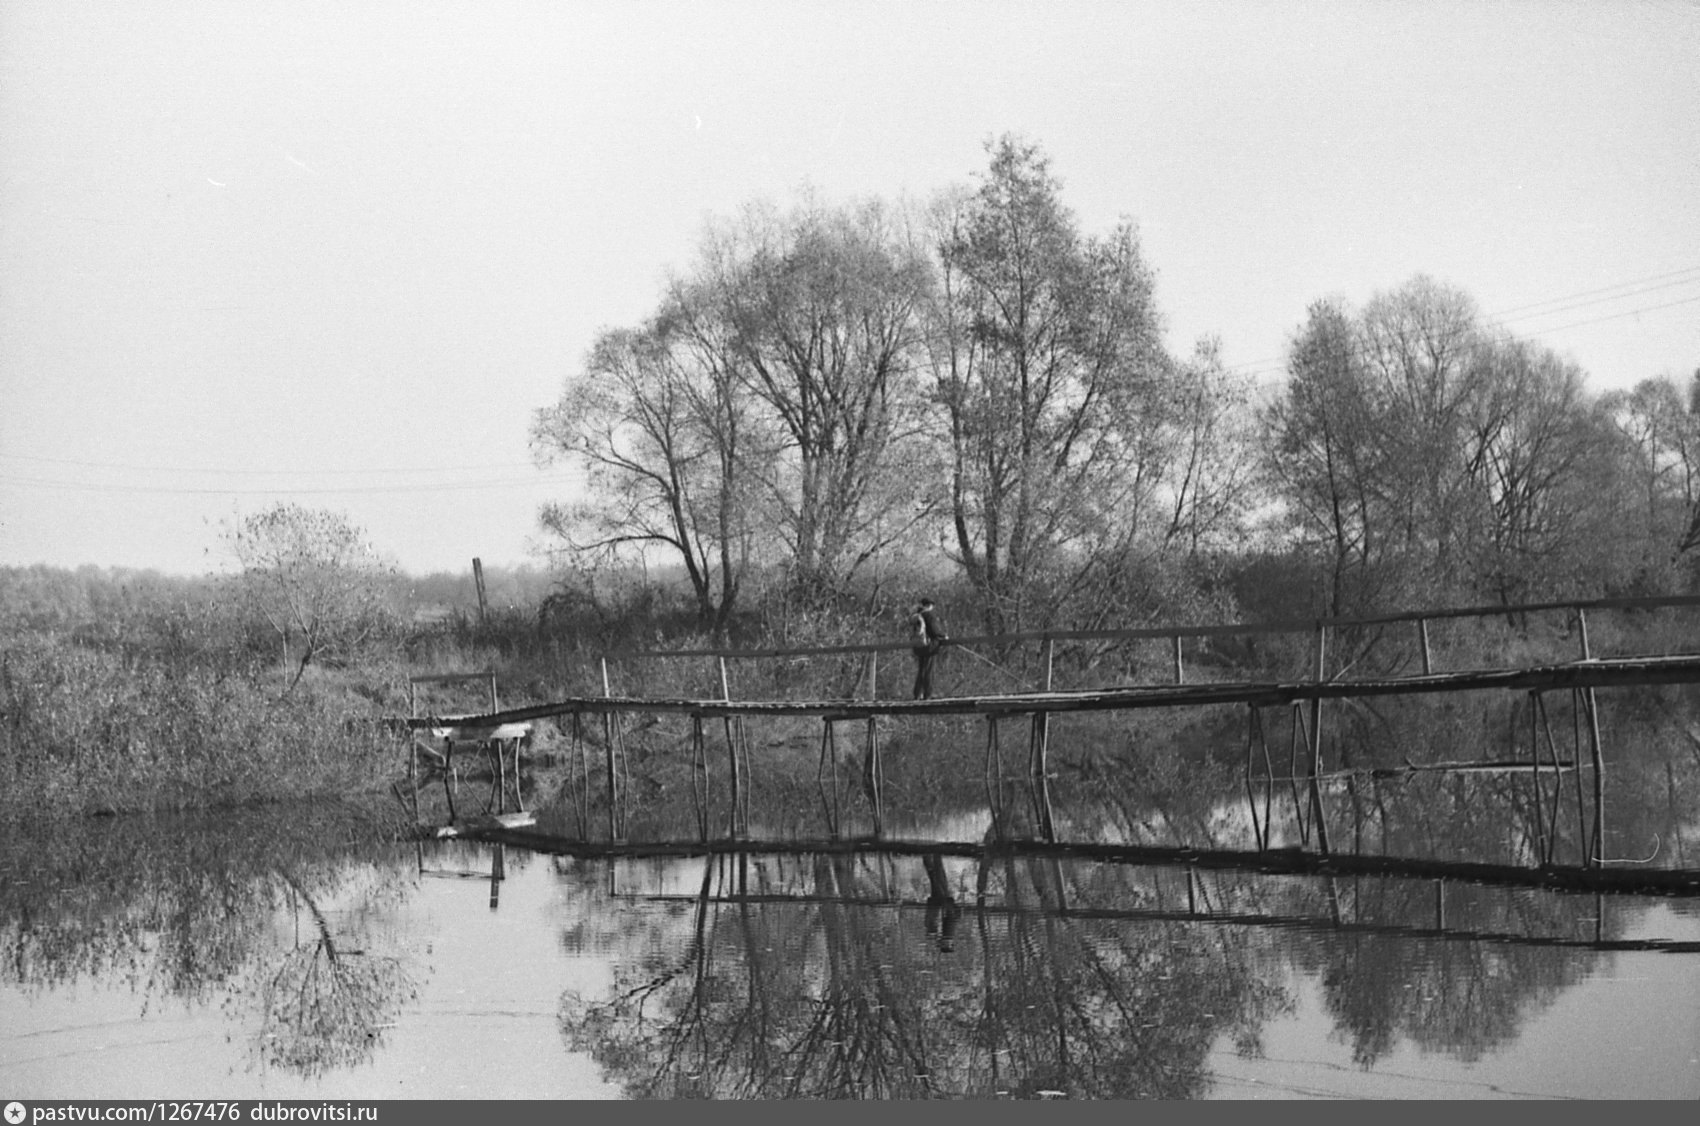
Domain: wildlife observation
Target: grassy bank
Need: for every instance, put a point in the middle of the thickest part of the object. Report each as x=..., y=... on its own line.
x=92, y=731
x=144, y=700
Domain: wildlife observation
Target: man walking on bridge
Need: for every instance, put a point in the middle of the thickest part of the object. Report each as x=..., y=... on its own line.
x=928, y=638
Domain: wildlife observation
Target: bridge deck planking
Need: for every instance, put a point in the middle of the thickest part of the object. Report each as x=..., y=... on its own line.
x=1597, y=673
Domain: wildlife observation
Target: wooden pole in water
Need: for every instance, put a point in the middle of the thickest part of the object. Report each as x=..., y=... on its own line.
x=1422, y=637
x=1039, y=758
x=876, y=772
x=1576, y=703
x=1179, y=672
x=1250, y=793
x=582, y=805
x=1535, y=762
x=829, y=763
x=1316, y=741
x=1293, y=770
x=1675, y=819
x=699, y=775
x=1557, y=780
x=1268, y=778
x=1042, y=776
x=873, y=771
x=449, y=775
x=608, y=757
x=737, y=823
x=1596, y=848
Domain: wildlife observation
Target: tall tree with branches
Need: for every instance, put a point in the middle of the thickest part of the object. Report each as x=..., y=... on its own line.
x=666, y=435
x=1048, y=370
x=818, y=304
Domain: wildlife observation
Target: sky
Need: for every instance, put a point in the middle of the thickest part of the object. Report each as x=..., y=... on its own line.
x=339, y=253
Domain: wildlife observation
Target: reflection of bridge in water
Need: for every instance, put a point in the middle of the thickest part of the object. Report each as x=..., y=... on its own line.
x=1199, y=908
x=1555, y=773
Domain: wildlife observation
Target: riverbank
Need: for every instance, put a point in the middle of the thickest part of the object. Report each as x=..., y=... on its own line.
x=87, y=731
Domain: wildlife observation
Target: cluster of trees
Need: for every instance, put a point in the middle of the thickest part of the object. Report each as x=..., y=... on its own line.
x=1418, y=452
x=830, y=390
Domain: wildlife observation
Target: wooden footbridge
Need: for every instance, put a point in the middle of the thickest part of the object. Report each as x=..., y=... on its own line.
x=1304, y=773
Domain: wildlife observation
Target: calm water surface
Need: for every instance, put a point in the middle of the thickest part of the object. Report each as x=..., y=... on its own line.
x=258, y=956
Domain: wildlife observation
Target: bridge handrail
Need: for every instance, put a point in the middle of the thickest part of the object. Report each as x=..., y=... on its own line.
x=1292, y=625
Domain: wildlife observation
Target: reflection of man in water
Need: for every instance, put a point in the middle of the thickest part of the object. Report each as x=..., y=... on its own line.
x=941, y=905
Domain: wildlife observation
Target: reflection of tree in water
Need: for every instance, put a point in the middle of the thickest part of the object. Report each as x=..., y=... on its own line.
x=831, y=999
x=326, y=1004
x=170, y=914
x=1111, y=1009
x=187, y=909
x=1465, y=998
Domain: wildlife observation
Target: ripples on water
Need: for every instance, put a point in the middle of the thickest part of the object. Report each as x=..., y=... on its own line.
x=287, y=953
x=266, y=955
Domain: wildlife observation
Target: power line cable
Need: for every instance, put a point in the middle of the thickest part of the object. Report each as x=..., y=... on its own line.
x=1502, y=319
x=1690, y=275
x=1617, y=316
x=1603, y=289
x=1278, y=365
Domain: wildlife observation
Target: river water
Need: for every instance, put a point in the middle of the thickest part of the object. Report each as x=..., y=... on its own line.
x=297, y=953
x=256, y=956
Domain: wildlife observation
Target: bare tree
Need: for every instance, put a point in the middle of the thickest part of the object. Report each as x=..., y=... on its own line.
x=1324, y=457
x=1047, y=367
x=314, y=578
x=1659, y=439
x=1209, y=481
x=667, y=437
x=1538, y=448
x=817, y=309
